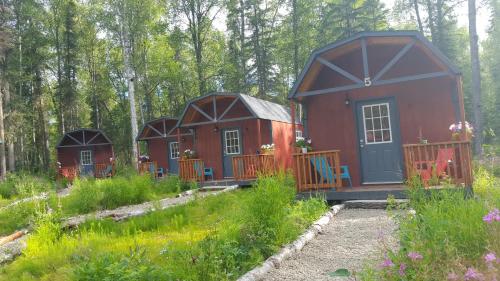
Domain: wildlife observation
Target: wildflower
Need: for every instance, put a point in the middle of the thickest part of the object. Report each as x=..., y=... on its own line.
x=387, y=263
x=492, y=216
x=472, y=274
x=490, y=257
x=452, y=276
x=414, y=256
x=402, y=268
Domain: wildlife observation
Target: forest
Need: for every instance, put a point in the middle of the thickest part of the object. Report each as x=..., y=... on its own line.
x=115, y=64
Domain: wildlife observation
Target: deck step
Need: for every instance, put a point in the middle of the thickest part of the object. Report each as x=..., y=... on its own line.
x=371, y=204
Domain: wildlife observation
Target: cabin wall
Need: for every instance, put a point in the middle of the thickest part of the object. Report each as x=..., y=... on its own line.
x=158, y=152
x=69, y=157
x=283, y=140
x=424, y=106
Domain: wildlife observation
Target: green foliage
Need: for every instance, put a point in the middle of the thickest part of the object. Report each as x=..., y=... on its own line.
x=131, y=267
x=447, y=230
x=201, y=240
x=24, y=185
x=18, y=216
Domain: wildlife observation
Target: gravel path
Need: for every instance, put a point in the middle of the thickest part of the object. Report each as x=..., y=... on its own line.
x=350, y=240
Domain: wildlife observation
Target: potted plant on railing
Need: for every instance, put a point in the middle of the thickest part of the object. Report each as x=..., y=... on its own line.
x=188, y=154
x=456, y=130
x=267, y=149
x=304, y=144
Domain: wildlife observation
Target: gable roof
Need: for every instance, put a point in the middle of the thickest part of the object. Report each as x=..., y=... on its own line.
x=154, y=121
x=259, y=108
x=410, y=33
x=69, y=135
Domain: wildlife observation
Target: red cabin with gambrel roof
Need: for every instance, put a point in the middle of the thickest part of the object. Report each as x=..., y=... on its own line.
x=85, y=152
x=229, y=130
x=380, y=105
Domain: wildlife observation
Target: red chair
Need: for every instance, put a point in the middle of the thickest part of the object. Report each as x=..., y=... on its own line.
x=427, y=169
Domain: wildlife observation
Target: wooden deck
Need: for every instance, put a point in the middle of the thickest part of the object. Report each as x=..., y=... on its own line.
x=379, y=192
x=227, y=182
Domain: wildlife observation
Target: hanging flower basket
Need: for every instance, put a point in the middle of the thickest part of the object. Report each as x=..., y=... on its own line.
x=456, y=130
x=267, y=149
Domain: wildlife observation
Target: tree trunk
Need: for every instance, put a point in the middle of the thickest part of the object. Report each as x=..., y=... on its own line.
x=476, y=79
x=417, y=14
x=242, y=44
x=129, y=75
x=295, y=40
x=3, y=162
x=11, y=158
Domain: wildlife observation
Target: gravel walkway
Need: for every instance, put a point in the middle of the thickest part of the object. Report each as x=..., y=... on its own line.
x=350, y=240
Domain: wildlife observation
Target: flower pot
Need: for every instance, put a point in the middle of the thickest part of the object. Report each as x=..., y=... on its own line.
x=304, y=149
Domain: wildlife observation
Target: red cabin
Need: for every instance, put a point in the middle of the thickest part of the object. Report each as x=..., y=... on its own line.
x=162, y=143
x=229, y=132
x=378, y=107
x=85, y=152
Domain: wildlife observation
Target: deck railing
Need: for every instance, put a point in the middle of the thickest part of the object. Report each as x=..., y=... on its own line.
x=317, y=170
x=148, y=167
x=247, y=167
x=69, y=173
x=104, y=170
x=439, y=162
x=192, y=170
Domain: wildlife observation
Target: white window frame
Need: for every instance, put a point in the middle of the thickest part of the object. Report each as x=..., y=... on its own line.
x=298, y=134
x=174, y=152
x=373, y=125
x=85, y=155
x=226, y=146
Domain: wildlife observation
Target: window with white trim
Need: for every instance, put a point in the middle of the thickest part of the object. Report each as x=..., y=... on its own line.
x=377, y=123
x=174, y=150
x=86, y=157
x=232, y=142
x=298, y=134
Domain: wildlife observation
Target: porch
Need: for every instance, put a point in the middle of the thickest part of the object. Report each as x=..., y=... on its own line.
x=100, y=170
x=437, y=164
x=245, y=168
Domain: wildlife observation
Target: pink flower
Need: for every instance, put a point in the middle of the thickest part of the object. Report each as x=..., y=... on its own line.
x=402, y=269
x=490, y=257
x=452, y=276
x=472, y=274
x=492, y=216
x=387, y=263
x=414, y=256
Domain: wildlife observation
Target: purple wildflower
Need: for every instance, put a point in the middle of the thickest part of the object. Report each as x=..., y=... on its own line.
x=402, y=269
x=492, y=216
x=472, y=274
x=387, y=263
x=414, y=256
x=490, y=257
x=452, y=276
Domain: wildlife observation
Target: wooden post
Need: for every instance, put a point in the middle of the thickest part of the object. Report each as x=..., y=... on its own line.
x=294, y=129
x=179, y=140
x=138, y=155
x=462, y=107
x=259, y=136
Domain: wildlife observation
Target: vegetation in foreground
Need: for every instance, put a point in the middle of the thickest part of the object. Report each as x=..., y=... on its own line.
x=87, y=195
x=449, y=237
x=214, y=238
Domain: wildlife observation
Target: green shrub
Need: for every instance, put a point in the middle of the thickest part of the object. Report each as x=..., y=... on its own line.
x=24, y=185
x=170, y=184
x=131, y=267
x=18, y=216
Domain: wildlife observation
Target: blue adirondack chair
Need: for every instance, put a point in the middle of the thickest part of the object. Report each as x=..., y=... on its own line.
x=209, y=172
x=322, y=166
x=107, y=172
x=206, y=172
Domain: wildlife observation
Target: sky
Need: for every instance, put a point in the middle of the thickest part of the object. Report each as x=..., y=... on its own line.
x=483, y=16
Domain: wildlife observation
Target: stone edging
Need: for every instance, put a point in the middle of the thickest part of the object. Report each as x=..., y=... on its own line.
x=287, y=251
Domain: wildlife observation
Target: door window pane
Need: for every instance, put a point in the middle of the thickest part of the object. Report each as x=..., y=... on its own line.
x=86, y=157
x=232, y=141
x=377, y=123
x=174, y=150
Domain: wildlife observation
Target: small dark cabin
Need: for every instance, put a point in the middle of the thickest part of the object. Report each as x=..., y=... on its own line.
x=162, y=143
x=229, y=126
x=85, y=152
x=382, y=104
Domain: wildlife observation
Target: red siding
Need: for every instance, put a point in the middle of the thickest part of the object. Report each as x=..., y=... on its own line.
x=424, y=105
x=69, y=157
x=283, y=138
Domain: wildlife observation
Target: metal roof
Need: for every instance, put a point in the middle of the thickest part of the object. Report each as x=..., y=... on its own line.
x=397, y=33
x=259, y=108
x=86, y=130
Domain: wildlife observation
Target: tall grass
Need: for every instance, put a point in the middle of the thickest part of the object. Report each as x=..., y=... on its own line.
x=449, y=233
x=205, y=239
x=24, y=185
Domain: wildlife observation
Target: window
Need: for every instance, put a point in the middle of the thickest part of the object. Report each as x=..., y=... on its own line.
x=232, y=142
x=174, y=150
x=298, y=135
x=86, y=157
x=377, y=123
